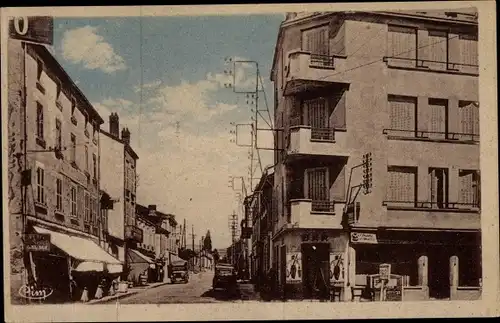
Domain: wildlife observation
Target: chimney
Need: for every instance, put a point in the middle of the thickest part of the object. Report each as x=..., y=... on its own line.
x=126, y=136
x=114, y=124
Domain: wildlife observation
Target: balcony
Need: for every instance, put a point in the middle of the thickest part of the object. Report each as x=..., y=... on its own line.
x=464, y=216
x=133, y=233
x=304, y=69
x=310, y=214
x=307, y=140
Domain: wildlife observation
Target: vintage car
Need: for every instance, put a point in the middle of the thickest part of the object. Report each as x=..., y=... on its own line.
x=179, y=271
x=224, y=278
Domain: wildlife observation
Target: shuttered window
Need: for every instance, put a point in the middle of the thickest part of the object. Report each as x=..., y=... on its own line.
x=59, y=194
x=469, y=188
x=317, y=184
x=469, y=120
x=73, y=201
x=468, y=50
x=40, y=185
x=39, y=121
x=402, y=184
x=438, y=46
x=80, y=202
x=316, y=40
x=402, y=42
x=87, y=207
x=403, y=115
x=438, y=118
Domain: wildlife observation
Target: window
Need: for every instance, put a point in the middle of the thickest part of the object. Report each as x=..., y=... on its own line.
x=58, y=134
x=58, y=95
x=86, y=158
x=402, y=42
x=87, y=207
x=59, y=195
x=438, y=46
x=39, y=70
x=316, y=40
x=40, y=185
x=73, y=106
x=403, y=111
x=317, y=188
x=39, y=120
x=73, y=201
x=94, y=210
x=318, y=119
x=468, y=50
x=438, y=184
x=438, y=118
x=73, y=148
x=402, y=185
x=469, y=120
x=470, y=191
x=94, y=165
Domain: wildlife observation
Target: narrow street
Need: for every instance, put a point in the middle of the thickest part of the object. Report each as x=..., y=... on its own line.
x=197, y=290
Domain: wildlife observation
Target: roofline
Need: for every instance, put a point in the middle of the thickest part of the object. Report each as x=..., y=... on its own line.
x=402, y=14
x=44, y=52
x=117, y=139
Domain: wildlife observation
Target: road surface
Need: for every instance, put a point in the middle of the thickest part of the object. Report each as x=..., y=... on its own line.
x=197, y=290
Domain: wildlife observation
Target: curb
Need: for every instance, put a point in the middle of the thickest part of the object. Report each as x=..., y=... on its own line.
x=115, y=297
x=122, y=295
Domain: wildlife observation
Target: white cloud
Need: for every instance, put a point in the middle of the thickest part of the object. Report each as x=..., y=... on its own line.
x=183, y=170
x=84, y=46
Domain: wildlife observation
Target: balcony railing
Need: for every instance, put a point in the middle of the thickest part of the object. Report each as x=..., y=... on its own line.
x=471, y=206
x=322, y=60
x=323, y=206
x=430, y=135
x=323, y=134
x=431, y=65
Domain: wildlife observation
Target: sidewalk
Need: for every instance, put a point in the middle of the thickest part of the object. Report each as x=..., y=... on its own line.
x=131, y=291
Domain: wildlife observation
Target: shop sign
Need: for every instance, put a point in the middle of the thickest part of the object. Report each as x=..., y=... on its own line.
x=34, y=29
x=37, y=242
x=364, y=237
x=337, y=267
x=35, y=292
x=293, y=267
x=393, y=293
x=384, y=271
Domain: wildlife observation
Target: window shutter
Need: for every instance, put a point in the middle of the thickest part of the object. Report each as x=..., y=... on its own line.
x=79, y=201
x=468, y=50
x=402, y=42
x=437, y=119
x=438, y=43
x=338, y=120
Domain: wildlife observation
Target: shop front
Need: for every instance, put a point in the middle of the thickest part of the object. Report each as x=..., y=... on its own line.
x=74, y=266
x=312, y=264
x=141, y=268
x=425, y=264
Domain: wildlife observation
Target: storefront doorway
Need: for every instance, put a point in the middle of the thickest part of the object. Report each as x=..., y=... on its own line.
x=439, y=272
x=315, y=262
x=52, y=271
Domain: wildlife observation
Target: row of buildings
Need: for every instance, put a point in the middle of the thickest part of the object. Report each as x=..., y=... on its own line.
x=75, y=222
x=377, y=171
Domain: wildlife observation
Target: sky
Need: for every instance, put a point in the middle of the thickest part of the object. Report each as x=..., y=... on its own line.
x=165, y=77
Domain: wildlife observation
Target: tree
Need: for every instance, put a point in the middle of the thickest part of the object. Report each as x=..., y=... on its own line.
x=207, y=242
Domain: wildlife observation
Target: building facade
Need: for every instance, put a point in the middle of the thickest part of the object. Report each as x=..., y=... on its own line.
x=261, y=209
x=402, y=87
x=54, y=196
x=118, y=165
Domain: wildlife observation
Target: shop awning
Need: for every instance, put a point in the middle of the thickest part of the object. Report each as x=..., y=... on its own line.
x=136, y=256
x=91, y=255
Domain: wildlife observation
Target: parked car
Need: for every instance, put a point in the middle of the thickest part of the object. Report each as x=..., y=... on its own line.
x=225, y=278
x=179, y=271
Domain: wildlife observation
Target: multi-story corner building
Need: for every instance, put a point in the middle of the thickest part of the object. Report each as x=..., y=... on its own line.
x=118, y=164
x=261, y=210
x=402, y=86
x=54, y=194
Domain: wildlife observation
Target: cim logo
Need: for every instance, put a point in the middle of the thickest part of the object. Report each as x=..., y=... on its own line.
x=35, y=292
